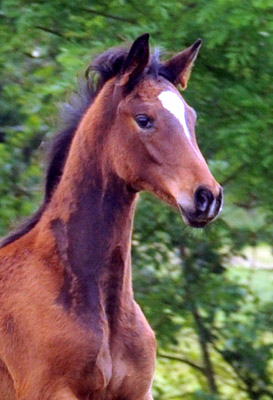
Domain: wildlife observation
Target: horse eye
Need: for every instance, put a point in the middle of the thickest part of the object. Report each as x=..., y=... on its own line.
x=144, y=122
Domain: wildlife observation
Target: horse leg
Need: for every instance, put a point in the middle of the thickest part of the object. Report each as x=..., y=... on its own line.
x=7, y=391
x=148, y=396
x=64, y=394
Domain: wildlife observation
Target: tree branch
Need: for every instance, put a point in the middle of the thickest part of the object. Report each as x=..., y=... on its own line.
x=3, y=15
x=237, y=371
x=54, y=32
x=106, y=15
x=183, y=360
x=248, y=388
x=179, y=395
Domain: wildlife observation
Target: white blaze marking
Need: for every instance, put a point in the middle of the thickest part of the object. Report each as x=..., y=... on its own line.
x=175, y=105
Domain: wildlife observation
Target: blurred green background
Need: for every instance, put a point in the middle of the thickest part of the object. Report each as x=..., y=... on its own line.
x=207, y=294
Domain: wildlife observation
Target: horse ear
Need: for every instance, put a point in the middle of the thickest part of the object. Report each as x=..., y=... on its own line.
x=137, y=59
x=180, y=65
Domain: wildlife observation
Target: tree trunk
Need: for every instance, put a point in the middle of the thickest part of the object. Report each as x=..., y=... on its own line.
x=202, y=335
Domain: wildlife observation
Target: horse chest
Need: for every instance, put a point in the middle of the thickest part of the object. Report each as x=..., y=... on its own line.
x=124, y=365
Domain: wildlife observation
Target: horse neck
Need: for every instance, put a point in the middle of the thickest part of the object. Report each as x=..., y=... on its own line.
x=90, y=217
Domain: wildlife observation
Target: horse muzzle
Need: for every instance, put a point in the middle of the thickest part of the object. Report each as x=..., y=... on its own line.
x=206, y=207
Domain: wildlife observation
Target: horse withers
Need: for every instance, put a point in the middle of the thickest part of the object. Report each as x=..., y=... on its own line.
x=69, y=326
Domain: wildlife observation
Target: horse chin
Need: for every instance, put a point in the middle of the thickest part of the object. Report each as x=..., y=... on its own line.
x=191, y=221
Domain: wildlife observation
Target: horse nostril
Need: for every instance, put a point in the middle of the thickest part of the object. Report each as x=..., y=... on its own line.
x=203, y=199
x=219, y=200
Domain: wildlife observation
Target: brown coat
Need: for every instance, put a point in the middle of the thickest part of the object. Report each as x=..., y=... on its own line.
x=69, y=326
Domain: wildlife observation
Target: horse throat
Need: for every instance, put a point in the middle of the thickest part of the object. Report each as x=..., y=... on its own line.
x=92, y=228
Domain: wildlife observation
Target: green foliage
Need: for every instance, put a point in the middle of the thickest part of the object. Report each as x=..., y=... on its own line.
x=181, y=280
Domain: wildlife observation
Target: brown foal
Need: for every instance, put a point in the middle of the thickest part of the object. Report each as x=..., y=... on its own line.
x=69, y=326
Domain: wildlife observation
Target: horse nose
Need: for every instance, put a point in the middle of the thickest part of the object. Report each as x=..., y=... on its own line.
x=206, y=204
x=203, y=199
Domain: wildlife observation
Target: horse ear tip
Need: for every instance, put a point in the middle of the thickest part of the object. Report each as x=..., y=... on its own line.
x=195, y=47
x=142, y=40
x=145, y=37
x=198, y=42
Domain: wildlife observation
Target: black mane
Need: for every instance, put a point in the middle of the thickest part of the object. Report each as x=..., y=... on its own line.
x=105, y=67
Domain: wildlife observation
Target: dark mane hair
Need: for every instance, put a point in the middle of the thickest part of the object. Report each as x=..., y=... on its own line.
x=105, y=67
